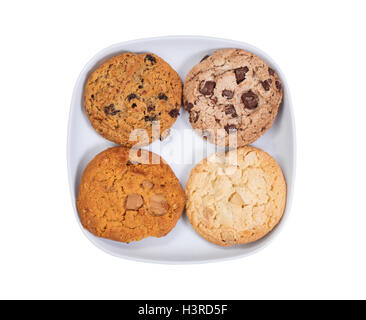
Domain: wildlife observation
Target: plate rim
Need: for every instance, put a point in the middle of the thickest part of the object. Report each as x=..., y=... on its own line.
x=290, y=194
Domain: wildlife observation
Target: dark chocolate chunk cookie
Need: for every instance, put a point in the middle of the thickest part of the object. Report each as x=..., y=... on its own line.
x=233, y=90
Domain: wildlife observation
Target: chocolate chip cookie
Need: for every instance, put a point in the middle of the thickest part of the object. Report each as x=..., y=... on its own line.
x=125, y=199
x=236, y=199
x=133, y=92
x=232, y=93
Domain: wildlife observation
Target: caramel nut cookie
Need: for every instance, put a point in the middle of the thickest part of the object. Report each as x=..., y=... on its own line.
x=236, y=199
x=124, y=200
x=235, y=91
x=132, y=91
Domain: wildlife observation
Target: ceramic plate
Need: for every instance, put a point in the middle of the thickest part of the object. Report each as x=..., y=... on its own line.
x=182, y=244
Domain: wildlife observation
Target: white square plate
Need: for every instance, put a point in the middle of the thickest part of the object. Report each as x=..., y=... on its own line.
x=182, y=244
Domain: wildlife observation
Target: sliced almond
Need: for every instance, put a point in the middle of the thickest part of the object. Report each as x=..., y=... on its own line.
x=165, y=134
x=158, y=205
x=147, y=184
x=134, y=201
x=236, y=199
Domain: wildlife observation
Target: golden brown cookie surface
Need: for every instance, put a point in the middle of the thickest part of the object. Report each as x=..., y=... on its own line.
x=238, y=200
x=131, y=91
x=122, y=200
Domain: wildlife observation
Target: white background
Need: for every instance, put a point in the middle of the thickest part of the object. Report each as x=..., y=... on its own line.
x=320, y=47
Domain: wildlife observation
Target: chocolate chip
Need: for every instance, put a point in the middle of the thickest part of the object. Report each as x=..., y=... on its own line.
x=150, y=58
x=227, y=93
x=150, y=118
x=208, y=88
x=141, y=86
x=134, y=105
x=189, y=106
x=250, y=100
x=271, y=71
x=131, y=96
x=193, y=117
x=110, y=110
x=174, y=113
x=204, y=58
x=150, y=108
x=278, y=85
x=92, y=96
x=229, y=128
x=240, y=74
x=266, y=84
x=230, y=110
x=162, y=96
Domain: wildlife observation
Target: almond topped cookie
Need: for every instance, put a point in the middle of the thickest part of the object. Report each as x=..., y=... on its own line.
x=232, y=91
x=132, y=92
x=125, y=199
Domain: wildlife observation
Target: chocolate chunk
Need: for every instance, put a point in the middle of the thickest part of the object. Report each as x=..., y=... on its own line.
x=162, y=96
x=204, y=58
x=250, y=100
x=208, y=88
x=193, y=117
x=271, y=71
x=132, y=96
x=229, y=128
x=92, y=96
x=240, y=74
x=150, y=118
x=150, y=58
x=174, y=113
x=142, y=83
x=227, y=93
x=134, y=105
x=266, y=84
x=150, y=108
x=230, y=110
x=189, y=106
x=278, y=85
x=110, y=110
